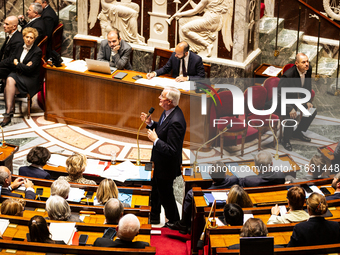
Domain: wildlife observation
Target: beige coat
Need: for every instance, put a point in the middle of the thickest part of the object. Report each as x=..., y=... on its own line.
x=289, y=217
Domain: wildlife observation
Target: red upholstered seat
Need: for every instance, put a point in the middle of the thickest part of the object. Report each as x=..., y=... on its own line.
x=259, y=96
x=225, y=111
x=286, y=67
x=269, y=84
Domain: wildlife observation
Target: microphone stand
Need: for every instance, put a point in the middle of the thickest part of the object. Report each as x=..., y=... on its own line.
x=3, y=139
x=212, y=139
x=200, y=242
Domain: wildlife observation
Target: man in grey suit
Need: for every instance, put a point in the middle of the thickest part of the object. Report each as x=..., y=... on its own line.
x=115, y=50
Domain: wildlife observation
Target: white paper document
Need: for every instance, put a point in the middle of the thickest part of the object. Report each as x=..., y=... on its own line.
x=221, y=196
x=78, y=65
x=122, y=172
x=283, y=210
x=75, y=194
x=247, y=216
x=62, y=231
x=163, y=82
x=272, y=71
x=219, y=223
x=3, y=225
x=93, y=167
x=57, y=160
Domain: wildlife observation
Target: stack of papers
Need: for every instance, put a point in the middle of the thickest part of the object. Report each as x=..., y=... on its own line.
x=57, y=160
x=93, y=167
x=75, y=194
x=272, y=71
x=3, y=225
x=62, y=231
x=164, y=82
x=77, y=65
x=122, y=172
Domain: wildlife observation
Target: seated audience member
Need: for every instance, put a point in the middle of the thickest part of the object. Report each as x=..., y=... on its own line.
x=253, y=227
x=336, y=187
x=113, y=211
x=267, y=175
x=233, y=215
x=317, y=230
x=58, y=209
x=12, y=206
x=220, y=181
x=127, y=230
x=106, y=190
x=8, y=186
x=237, y=195
x=60, y=188
x=115, y=50
x=25, y=72
x=38, y=231
x=296, y=199
x=75, y=167
x=336, y=161
x=315, y=170
x=38, y=156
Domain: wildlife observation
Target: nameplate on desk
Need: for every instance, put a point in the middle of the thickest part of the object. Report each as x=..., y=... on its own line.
x=11, y=251
x=40, y=210
x=12, y=225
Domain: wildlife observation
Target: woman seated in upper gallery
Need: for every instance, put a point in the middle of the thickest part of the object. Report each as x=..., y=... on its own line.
x=58, y=209
x=75, y=166
x=13, y=206
x=25, y=72
x=317, y=230
x=38, y=231
x=38, y=156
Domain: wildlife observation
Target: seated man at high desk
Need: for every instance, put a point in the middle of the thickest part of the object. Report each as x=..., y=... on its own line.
x=267, y=175
x=8, y=186
x=36, y=21
x=336, y=187
x=184, y=64
x=127, y=230
x=115, y=50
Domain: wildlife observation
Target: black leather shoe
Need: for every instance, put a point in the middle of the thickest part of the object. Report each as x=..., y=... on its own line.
x=177, y=226
x=287, y=146
x=155, y=221
x=5, y=121
x=302, y=137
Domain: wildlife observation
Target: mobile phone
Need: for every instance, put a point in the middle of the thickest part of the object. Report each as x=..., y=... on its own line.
x=187, y=171
x=110, y=233
x=148, y=166
x=40, y=191
x=306, y=188
x=89, y=194
x=325, y=191
x=83, y=239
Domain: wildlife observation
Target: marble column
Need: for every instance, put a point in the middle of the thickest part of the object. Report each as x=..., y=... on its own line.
x=159, y=28
x=82, y=17
x=269, y=8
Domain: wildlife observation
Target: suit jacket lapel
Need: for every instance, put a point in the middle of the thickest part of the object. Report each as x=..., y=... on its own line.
x=28, y=55
x=108, y=51
x=166, y=121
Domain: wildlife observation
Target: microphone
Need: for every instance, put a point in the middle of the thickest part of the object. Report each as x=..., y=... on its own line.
x=200, y=242
x=138, y=151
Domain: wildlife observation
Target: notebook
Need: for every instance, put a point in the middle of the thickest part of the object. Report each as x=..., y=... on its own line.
x=99, y=66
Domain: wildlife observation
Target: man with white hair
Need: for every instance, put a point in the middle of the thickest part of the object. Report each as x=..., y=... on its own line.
x=60, y=188
x=127, y=230
x=167, y=136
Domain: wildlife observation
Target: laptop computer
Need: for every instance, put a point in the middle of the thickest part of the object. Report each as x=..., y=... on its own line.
x=99, y=66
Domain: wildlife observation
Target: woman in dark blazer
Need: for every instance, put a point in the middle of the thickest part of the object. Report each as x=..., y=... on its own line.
x=38, y=157
x=24, y=78
x=317, y=230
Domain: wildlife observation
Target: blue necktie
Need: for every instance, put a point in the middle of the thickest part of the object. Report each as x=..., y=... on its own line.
x=162, y=119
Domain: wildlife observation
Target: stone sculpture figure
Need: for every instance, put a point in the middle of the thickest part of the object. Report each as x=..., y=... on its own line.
x=199, y=31
x=121, y=15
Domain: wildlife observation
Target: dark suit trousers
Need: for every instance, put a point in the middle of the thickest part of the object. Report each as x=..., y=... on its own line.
x=4, y=72
x=163, y=194
x=302, y=126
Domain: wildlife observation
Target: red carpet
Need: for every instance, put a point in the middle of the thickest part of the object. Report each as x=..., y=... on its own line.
x=170, y=242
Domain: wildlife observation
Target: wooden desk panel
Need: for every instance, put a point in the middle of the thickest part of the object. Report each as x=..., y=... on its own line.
x=94, y=99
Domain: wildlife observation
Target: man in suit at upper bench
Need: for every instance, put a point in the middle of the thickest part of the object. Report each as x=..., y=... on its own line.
x=185, y=65
x=115, y=50
x=336, y=186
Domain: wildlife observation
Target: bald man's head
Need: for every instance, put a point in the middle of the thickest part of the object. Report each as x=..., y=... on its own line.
x=181, y=50
x=5, y=176
x=11, y=24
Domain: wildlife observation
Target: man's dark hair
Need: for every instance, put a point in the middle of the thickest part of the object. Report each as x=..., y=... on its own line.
x=233, y=214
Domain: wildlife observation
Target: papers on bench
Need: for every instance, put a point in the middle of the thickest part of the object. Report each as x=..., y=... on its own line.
x=122, y=172
x=75, y=194
x=163, y=82
x=272, y=71
x=93, y=167
x=220, y=197
x=314, y=189
x=77, y=65
x=3, y=225
x=57, y=160
x=62, y=231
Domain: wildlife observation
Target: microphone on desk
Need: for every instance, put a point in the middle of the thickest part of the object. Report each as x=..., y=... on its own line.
x=200, y=242
x=138, y=151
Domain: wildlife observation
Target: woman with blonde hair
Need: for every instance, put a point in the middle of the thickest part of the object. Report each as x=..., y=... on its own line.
x=76, y=164
x=317, y=230
x=107, y=189
x=237, y=195
x=12, y=206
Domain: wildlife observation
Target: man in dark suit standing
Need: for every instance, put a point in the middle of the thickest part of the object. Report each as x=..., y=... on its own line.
x=184, y=64
x=299, y=76
x=13, y=40
x=127, y=230
x=34, y=14
x=167, y=136
x=8, y=186
x=336, y=187
x=266, y=174
x=115, y=50
x=51, y=21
